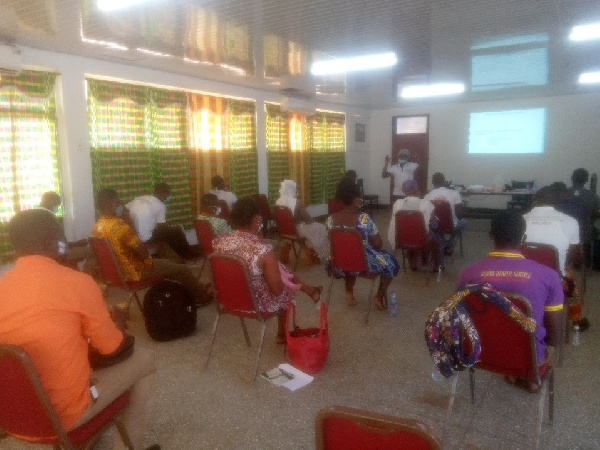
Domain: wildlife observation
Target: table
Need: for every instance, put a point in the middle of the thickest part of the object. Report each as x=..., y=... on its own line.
x=521, y=200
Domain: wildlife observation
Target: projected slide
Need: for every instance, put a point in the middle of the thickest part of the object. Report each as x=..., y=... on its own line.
x=516, y=131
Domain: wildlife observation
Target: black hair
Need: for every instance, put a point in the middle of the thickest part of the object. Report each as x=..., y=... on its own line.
x=242, y=213
x=217, y=181
x=507, y=229
x=546, y=196
x=50, y=198
x=162, y=188
x=30, y=230
x=105, y=196
x=580, y=176
x=208, y=200
x=438, y=179
x=351, y=174
x=347, y=191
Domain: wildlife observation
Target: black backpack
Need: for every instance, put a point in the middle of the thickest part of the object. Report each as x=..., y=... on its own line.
x=169, y=311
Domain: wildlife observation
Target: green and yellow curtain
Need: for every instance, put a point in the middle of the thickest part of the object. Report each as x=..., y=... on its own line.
x=29, y=157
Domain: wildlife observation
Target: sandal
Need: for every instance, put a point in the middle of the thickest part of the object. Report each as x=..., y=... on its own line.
x=528, y=385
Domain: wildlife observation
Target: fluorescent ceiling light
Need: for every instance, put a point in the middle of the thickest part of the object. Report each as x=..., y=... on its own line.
x=589, y=78
x=357, y=63
x=585, y=32
x=432, y=90
x=113, y=5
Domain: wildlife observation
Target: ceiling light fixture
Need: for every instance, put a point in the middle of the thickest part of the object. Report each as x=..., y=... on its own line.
x=589, y=78
x=114, y=5
x=432, y=90
x=585, y=32
x=357, y=63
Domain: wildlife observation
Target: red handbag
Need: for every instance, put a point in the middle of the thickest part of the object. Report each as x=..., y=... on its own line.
x=307, y=347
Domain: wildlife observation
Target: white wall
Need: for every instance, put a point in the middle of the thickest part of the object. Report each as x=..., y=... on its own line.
x=572, y=141
x=74, y=133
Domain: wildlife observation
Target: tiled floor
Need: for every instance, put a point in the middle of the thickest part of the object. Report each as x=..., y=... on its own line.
x=383, y=367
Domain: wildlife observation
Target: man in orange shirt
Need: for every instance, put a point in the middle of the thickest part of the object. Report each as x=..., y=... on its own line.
x=52, y=312
x=132, y=254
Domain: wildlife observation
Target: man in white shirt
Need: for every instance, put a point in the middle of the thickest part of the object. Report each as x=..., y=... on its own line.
x=402, y=171
x=148, y=216
x=219, y=188
x=441, y=192
x=412, y=202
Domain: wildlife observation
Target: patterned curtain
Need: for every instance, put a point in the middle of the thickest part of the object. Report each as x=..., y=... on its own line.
x=139, y=138
x=29, y=160
x=241, y=130
x=326, y=154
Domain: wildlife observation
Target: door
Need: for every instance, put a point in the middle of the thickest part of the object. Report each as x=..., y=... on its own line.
x=412, y=133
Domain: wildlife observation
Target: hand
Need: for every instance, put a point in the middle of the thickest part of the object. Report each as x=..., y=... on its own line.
x=387, y=159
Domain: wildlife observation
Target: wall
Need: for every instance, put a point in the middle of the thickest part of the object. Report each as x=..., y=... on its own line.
x=74, y=133
x=572, y=141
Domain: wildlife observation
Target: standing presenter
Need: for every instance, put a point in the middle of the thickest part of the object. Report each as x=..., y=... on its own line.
x=400, y=171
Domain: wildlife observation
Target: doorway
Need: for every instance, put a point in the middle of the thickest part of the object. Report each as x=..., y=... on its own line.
x=412, y=133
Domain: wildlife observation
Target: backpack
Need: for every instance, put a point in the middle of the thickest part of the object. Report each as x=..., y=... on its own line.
x=169, y=311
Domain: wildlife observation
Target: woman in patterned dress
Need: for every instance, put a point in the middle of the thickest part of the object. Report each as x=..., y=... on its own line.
x=209, y=211
x=271, y=282
x=379, y=261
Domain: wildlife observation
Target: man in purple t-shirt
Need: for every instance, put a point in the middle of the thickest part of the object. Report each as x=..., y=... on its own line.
x=507, y=270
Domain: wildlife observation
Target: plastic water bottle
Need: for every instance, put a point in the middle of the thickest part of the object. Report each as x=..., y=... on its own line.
x=435, y=373
x=393, y=305
x=575, y=340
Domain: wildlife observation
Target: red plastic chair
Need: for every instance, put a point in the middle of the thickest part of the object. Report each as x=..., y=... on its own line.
x=348, y=255
x=265, y=211
x=287, y=229
x=507, y=349
x=112, y=273
x=443, y=211
x=205, y=235
x=334, y=205
x=27, y=411
x=343, y=428
x=235, y=297
x=411, y=235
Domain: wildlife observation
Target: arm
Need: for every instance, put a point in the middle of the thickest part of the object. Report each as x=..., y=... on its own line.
x=459, y=210
x=301, y=214
x=553, y=322
x=376, y=241
x=270, y=267
x=384, y=172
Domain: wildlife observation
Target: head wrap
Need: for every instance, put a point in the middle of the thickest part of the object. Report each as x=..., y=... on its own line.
x=287, y=194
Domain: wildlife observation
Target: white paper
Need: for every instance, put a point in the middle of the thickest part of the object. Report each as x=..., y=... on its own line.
x=299, y=378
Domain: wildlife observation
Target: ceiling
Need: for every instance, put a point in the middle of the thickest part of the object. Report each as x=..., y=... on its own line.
x=498, y=48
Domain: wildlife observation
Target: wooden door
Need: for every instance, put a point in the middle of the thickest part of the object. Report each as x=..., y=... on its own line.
x=412, y=132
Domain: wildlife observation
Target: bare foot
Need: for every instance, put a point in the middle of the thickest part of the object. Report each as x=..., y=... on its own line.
x=316, y=293
x=350, y=299
x=378, y=303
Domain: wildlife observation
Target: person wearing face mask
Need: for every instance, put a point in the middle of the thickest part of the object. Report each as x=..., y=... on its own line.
x=402, y=171
x=148, y=216
x=55, y=314
x=221, y=190
x=271, y=282
x=209, y=211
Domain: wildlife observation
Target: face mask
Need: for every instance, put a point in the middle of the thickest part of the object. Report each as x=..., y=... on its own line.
x=168, y=199
x=217, y=210
x=62, y=247
x=260, y=227
x=402, y=161
x=119, y=210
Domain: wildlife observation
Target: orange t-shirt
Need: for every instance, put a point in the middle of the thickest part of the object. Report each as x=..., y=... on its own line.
x=51, y=311
x=124, y=240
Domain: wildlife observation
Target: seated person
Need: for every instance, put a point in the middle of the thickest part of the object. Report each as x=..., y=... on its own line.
x=52, y=312
x=566, y=204
x=441, y=192
x=210, y=210
x=314, y=232
x=220, y=189
x=148, y=216
x=271, y=282
x=132, y=254
x=379, y=261
x=581, y=195
x=412, y=202
x=547, y=225
x=506, y=269
x=351, y=174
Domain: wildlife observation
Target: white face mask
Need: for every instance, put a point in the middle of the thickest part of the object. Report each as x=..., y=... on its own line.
x=62, y=247
x=402, y=161
x=217, y=210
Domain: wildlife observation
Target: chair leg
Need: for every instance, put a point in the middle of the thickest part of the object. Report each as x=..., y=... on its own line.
x=260, y=346
x=123, y=433
x=138, y=301
x=404, y=260
x=245, y=331
x=460, y=237
x=551, y=395
x=370, y=300
x=449, y=410
x=472, y=384
x=212, y=341
x=540, y=415
x=329, y=291
x=296, y=255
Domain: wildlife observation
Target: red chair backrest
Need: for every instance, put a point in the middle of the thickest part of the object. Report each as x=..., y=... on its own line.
x=410, y=230
x=342, y=428
x=109, y=266
x=224, y=210
x=263, y=206
x=443, y=211
x=23, y=399
x=334, y=205
x=232, y=284
x=205, y=235
x=506, y=348
x=545, y=254
x=347, y=251
x=285, y=221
